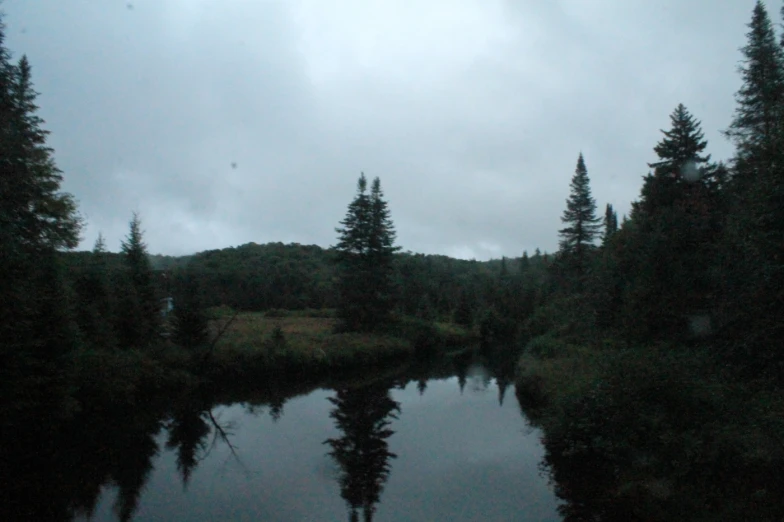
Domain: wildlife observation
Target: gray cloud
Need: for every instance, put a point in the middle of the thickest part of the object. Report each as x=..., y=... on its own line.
x=229, y=122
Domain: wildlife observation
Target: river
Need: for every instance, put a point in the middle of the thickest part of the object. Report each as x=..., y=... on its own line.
x=448, y=444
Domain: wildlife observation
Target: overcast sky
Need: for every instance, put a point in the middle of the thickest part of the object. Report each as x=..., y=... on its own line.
x=228, y=121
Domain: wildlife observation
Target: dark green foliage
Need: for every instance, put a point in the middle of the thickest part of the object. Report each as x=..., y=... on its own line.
x=34, y=214
x=36, y=220
x=425, y=310
x=139, y=310
x=752, y=273
x=363, y=416
x=525, y=263
x=496, y=328
x=190, y=323
x=684, y=142
x=666, y=367
x=756, y=126
x=582, y=228
x=668, y=246
x=464, y=313
x=188, y=431
x=610, y=223
x=582, y=225
x=365, y=254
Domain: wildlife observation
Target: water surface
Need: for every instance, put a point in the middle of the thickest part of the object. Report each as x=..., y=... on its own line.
x=434, y=448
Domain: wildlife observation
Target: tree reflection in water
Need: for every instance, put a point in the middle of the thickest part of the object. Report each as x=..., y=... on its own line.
x=363, y=415
x=188, y=431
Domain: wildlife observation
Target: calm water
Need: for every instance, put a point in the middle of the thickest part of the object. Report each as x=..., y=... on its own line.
x=393, y=450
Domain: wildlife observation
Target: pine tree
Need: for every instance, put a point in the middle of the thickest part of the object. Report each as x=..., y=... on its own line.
x=680, y=162
x=676, y=225
x=100, y=245
x=42, y=215
x=525, y=263
x=756, y=126
x=580, y=214
x=682, y=145
x=610, y=223
x=36, y=220
x=365, y=255
x=138, y=319
x=577, y=239
x=95, y=313
x=754, y=253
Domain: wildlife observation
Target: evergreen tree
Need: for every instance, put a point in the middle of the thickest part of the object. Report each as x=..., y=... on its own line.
x=41, y=215
x=365, y=255
x=100, y=245
x=610, y=223
x=682, y=144
x=580, y=214
x=756, y=126
x=680, y=162
x=582, y=226
x=36, y=220
x=138, y=318
x=525, y=262
x=95, y=313
x=752, y=271
x=669, y=250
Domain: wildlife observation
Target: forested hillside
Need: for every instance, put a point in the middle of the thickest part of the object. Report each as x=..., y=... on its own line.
x=255, y=277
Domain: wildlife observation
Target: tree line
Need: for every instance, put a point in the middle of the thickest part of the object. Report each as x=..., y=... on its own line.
x=699, y=253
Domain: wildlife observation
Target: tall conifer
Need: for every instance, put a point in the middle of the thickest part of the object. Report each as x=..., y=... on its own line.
x=365, y=254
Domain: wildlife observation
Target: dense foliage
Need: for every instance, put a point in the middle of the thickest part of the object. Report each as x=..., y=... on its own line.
x=664, y=370
x=648, y=357
x=365, y=256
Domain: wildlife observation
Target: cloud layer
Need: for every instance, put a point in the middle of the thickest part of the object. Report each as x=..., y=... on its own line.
x=229, y=122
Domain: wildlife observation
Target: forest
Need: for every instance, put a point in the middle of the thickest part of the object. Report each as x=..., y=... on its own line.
x=648, y=348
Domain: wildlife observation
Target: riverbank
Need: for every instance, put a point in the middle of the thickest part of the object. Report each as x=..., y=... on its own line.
x=252, y=348
x=306, y=343
x=654, y=432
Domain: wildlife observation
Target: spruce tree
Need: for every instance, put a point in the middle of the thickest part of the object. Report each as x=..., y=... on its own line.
x=610, y=223
x=756, y=126
x=582, y=225
x=365, y=255
x=100, y=244
x=682, y=145
x=752, y=271
x=43, y=216
x=676, y=224
x=138, y=319
x=525, y=263
x=36, y=220
x=580, y=214
x=95, y=313
x=680, y=162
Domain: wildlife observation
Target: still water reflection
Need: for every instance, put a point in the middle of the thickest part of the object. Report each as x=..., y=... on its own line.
x=429, y=447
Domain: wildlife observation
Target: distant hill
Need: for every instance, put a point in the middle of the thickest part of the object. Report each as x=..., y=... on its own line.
x=257, y=277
